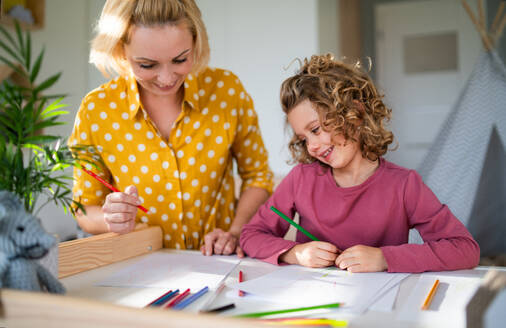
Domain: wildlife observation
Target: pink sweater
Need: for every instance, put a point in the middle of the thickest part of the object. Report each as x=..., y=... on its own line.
x=378, y=213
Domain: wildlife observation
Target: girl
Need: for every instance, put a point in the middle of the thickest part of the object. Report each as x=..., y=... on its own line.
x=358, y=204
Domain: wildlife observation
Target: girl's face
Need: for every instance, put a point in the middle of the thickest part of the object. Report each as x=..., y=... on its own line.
x=160, y=57
x=334, y=151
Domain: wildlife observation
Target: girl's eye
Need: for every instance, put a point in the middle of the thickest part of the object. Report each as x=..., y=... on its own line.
x=179, y=61
x=315, y=130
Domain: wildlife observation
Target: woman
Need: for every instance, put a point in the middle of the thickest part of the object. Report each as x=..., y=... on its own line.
x=167, y=131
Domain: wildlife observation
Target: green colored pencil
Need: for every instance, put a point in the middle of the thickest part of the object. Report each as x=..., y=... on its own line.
x=263, y=314
x=287, y=219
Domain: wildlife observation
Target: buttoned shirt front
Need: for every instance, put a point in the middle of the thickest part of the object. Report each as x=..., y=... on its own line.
x=186, y=182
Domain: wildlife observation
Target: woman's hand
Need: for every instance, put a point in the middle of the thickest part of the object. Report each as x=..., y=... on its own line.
x=120, y=210
x=220, y=242
x=315, y=254
x=360, y=258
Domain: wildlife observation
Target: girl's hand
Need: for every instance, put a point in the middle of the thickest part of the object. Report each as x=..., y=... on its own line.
x=360, y=258
x=120, y=210
x=315, y=254
x=220, y=242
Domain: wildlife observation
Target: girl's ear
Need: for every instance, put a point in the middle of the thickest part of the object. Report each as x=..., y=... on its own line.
x=360, y=106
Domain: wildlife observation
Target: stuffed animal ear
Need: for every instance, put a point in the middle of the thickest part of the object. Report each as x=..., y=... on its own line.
x=9, y=203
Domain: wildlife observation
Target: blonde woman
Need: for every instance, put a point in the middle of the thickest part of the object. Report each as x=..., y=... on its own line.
x=168, y=129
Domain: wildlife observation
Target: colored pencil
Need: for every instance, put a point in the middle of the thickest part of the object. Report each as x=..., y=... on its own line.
x=430, y=296
x=181, y=305
x=287, y=219
x=164, y=298
x=178, y=299
x=307, y=308
x=219, y=288
x=306, y=322
x=241, y=293
x=108, y=185
x=221, y=308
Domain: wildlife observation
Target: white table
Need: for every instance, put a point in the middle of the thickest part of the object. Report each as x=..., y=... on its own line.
x=82, y=285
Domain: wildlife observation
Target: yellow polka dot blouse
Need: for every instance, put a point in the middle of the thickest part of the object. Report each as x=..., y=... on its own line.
x=186, y=182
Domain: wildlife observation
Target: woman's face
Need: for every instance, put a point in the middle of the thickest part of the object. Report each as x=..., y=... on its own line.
x=334, y=151
x=160, y=57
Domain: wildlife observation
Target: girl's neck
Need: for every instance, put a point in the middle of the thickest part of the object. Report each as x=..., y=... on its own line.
x=356, y=173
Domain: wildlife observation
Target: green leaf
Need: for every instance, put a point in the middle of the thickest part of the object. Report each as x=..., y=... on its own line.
x=11, y=65
x=55, y=113
x=36, y=67
x=47, y=83
x=21, y=42
x=52, y=107
x=28, y=53
x=11, y=52
x=46, y=124
x=42, y=139
x=8, y=37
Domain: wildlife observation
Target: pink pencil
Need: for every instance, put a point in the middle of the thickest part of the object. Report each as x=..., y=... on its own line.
x=108, y=185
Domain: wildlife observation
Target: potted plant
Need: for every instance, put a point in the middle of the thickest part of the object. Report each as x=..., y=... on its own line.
x=32, y=162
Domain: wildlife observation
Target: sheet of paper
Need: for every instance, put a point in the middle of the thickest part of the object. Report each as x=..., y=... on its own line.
x=386, y=301
x=172, y=271
x=449, y=302
x=299, y=286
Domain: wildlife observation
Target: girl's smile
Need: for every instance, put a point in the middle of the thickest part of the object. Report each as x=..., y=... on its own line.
x=324, y=146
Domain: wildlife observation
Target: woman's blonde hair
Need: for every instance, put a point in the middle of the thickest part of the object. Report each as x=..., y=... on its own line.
x=119, y=16
x=347, y=103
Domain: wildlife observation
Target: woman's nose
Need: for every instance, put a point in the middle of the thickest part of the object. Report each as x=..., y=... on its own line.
x=166, y=76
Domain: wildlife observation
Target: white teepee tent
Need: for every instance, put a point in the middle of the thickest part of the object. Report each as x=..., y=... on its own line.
x=466, y=164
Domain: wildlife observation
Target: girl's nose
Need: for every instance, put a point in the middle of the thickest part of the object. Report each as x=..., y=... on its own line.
x=312, y=145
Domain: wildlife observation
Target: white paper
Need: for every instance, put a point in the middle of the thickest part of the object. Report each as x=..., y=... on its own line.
x=386, y=301
x=173, y=271
x=449, y=302
x=300, y=286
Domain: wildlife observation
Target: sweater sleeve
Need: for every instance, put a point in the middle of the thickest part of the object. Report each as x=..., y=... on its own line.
x=262, y=237
x=448, y=245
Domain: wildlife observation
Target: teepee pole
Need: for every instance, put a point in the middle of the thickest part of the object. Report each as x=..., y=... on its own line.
x=481, y=13
x=497, y=18
x=487, y=43
x=500, y=29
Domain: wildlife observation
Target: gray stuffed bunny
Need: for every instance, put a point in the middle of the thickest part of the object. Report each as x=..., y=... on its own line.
x=22, y=242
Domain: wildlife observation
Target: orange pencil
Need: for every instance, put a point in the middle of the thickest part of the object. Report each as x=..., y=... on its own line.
x=430, y=296
x=108, y=185
x=241, y=293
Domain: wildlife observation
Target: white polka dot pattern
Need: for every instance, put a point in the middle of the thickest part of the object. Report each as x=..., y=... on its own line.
x=186, y=184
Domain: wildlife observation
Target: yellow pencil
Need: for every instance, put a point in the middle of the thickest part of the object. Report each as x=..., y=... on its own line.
x=430, y=296
x=307, y=322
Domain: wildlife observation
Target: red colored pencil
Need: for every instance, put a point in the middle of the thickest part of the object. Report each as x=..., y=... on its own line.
x=178, y=299
x=108, y=185
x=159, y=298
x=241, y=293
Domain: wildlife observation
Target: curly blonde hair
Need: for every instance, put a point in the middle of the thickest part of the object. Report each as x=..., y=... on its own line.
x=119, y=16
x=347, y=103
